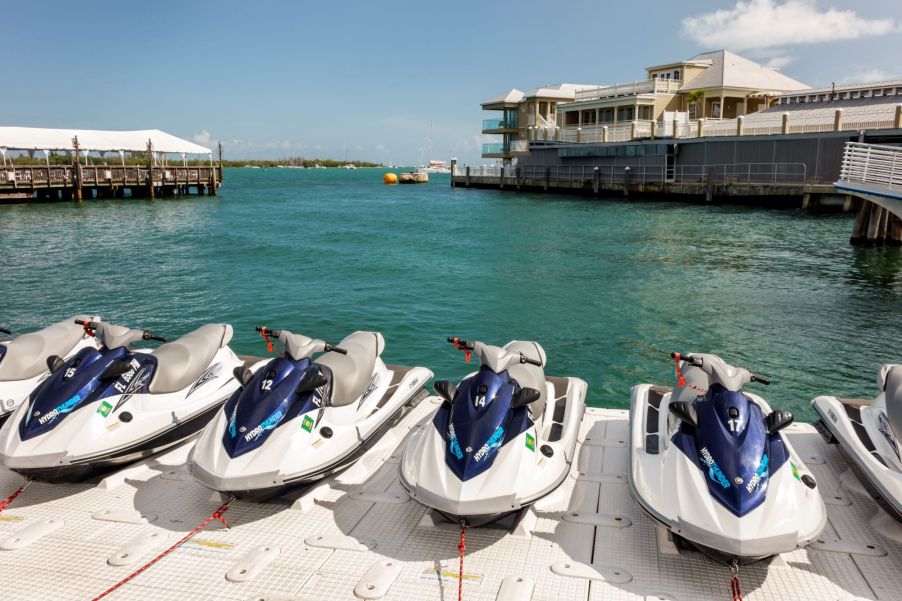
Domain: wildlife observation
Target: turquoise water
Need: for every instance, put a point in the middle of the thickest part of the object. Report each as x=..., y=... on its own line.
x=608, y=288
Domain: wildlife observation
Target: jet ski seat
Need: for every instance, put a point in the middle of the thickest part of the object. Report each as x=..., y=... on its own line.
x=530, y=376
x=352, y=372
x=894, y=399
x=113, y=336
x=181, y=362
x=26, y=355
x=298, y=346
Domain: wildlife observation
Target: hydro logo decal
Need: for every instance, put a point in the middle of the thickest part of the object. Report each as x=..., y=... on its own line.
x=760, y=474
x=714, y=471
x=205, y=377
x=60, y=410
x=268, y=424
x=455, y=445
x=232, y=430
x=493, y=442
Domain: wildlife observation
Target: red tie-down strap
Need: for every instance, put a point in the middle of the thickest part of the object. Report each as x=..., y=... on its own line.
x=265, y=335
x=462, y=548
x=216, y=515
x=5, y=502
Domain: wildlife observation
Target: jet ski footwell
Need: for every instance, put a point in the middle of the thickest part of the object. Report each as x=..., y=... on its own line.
x=588, y=539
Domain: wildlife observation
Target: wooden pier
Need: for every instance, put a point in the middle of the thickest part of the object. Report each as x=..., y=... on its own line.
x=79, y=182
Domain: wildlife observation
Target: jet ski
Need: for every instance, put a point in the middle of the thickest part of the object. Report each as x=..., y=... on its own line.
x=301, y=417
x=709, y=463
x=503, y=438
x=24, y=359
x=109, y=406
x=867, y=433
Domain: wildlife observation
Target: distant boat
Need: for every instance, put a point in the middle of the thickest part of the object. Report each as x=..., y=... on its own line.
x=436, y=167
x=349, y=166
x=252, y=166
x=318, y=166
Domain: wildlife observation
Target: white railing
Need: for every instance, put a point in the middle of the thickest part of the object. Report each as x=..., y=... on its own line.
x=873, y=164
x=750, y=173
x=651, y=86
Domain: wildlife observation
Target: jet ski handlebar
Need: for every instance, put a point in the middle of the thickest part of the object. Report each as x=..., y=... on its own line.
x=149, y=336
x=462, y=345
x=699, y=362
x=5, y=331
x=525, y=359
x=760, y=380
x=327, y=348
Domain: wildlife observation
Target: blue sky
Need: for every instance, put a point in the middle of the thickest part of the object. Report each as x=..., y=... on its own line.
x=271, y=79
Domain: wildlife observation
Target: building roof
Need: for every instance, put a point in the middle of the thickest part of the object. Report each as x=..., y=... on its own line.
x=512, y=96
x=729, y=70
x=561, y=91
x=891, y=83
x=38, y=138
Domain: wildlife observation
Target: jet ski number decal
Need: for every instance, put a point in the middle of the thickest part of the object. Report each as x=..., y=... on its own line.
x=714, y=471
x=66, y=407
x=268, y=424
x=494, y=441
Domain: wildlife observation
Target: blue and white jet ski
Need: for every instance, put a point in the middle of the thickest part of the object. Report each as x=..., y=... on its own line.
x=502, y=439
x=709, y=463
x=299, y=418
x=868, y=434
x=113, y=405
x=24, y=360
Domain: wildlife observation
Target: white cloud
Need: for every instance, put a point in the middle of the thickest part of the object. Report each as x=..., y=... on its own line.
x=769, y=23
x=868, y=75
x=203, y=138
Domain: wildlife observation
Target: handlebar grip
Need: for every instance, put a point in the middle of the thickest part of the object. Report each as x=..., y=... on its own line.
x=5, y=331
x=525, y=359
x=335, y=349
x=148, y=336
x=460, y=343
x=82, y=322
x=760, y=380
x=687, y=358
x=268, y=331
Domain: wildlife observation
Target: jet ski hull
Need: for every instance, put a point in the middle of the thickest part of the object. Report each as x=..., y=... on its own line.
x=852, y=425
x=526, y=468
x=673, y=490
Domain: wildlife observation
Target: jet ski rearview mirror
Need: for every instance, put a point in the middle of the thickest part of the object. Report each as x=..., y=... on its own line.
x=685, y=412
x=115, y=369
x=524, y=397
x=54, y=362
x=242, y=374
x=777, y=420
x=445, y=389
x=312, y=381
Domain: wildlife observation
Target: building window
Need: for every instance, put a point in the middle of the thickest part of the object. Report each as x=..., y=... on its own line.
x=676, y=75
x=888, y=92
x=645, y=113
x=854, y=94
x=654, y=76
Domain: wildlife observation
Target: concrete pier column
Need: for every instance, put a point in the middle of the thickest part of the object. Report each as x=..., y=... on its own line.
x=467, y=177
x=604, y=133
x=634, y=126
x=785, y=123
x=579, y=133
x=596, y=179
x=837, y=120
x=740, y=123
x=701, y=127
x=898, y=120
x=453, y=170
x=627, y=179
x=676, y=125
x=654, y=129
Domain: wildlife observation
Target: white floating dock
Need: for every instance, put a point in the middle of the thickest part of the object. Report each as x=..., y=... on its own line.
x=359, y=536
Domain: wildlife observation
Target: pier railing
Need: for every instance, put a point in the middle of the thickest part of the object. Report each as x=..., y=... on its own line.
x=745, y=173
x=873, y=164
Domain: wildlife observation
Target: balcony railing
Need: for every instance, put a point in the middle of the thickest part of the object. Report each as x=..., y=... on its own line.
x=488, y=124
x=494, y=148
x=650, y=86
x=872, y=164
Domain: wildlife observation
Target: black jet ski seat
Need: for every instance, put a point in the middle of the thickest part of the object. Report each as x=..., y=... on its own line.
x=892, y=377
x=26, y=355
x=528, y=375
x=182, y=361
x=352, y=372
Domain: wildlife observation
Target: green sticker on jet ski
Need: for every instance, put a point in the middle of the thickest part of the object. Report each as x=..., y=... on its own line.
x=795, y=471
x=307, y=424
x=104, y=409
x=530, y=442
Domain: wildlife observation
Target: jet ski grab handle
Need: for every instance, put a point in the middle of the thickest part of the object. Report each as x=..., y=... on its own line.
x=700, y=362
x=91, y=326
x=267, y=332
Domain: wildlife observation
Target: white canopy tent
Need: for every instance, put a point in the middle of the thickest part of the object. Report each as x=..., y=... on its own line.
x=90, y=140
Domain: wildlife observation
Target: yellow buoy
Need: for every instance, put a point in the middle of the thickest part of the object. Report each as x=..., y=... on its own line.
x=390, y=178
